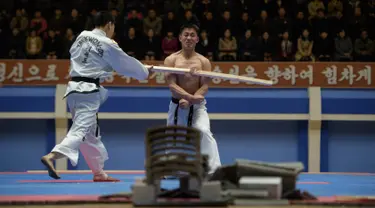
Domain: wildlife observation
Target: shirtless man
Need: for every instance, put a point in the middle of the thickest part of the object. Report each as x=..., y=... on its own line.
x=188, y=105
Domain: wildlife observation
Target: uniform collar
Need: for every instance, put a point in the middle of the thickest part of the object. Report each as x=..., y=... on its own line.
x=99, y=32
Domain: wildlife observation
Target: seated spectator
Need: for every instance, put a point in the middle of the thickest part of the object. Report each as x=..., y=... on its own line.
x=335, y=6
x=248, y=48
x=227, y=47
x=305, y=47
x=282, y=23
x=323, y=47
x=170, y=23
x=169, y=44
x=189, y=18
x=34, y=45
x=151, y=46
x=320, y=23
x=286, y=48
x=130, y=44
x=338, y=23
x=16, y=45
x=343, y=47
x=134, y=19
x=68, y=41
x=314, y=6
x=57, y=22
x=76, y=22
x=205, y=45
x=39, y=24
x=299, y=24
x=210, y=26
x=267, y=47
x=19, y=22
x=356, y=23
x=152, y=22
x=244, y=24
x=52, y=46
x=262, y=25
x=364, y=48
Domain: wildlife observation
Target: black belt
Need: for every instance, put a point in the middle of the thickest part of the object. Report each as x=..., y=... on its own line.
x=191, y=111
x=86, y=79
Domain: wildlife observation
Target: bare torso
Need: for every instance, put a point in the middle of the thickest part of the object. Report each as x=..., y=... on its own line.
x=186, y=81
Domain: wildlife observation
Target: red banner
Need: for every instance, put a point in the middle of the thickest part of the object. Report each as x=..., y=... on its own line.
x=284, y=74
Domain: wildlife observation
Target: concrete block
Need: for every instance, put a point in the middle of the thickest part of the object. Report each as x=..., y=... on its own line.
x=211, y=191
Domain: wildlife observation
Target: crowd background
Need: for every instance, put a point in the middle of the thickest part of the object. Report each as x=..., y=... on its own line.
x=230, y=30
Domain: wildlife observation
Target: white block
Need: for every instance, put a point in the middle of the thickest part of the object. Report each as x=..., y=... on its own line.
x=272, y=184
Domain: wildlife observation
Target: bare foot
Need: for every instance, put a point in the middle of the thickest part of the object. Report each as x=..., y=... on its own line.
x=105, y=179
x=48, y=162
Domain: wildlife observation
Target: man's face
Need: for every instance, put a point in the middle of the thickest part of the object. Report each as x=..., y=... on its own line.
x=189, y=38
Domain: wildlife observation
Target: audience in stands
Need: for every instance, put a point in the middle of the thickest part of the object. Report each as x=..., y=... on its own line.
x=231, y=30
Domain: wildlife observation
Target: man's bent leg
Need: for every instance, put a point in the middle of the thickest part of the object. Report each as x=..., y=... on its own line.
x=209, y=146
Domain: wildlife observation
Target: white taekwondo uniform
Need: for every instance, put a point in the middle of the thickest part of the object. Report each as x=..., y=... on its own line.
x=94, y=56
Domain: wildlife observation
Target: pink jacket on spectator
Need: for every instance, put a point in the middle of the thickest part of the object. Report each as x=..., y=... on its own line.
x=169, y=45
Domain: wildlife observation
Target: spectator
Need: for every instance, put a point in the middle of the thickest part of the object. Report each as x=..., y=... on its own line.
x=267, y=47
x=117, y=4
x=170, y=23
x=57, y=22
x=304, y=47
x=68, y=41
x=357, y=23
x=320, y=23
x=300, y=24
x=225, y=23
x=335, y=6
x=130, y=44
x=52, y=46
x=323, y=47
x=205, y=46
x=282, y=23
x=16, y=45
x=364, y=47
x=343, y=47
x=264, y=24
x=314, y=6
x=248, y=48
x=19, y=22
x=34, y=45
x=338, y=23
x=76, y=22
x=189, y=18
x=228, y=47
x=39, y=24
x=152, y=22
x=286, y=48
x=209, y=25
x=202, y=7
x=244, y=24
x=134, y=20
x=151, y=46
x=169, y=44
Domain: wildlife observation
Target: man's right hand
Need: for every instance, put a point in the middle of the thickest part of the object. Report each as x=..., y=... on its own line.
x=184, y=103
x=196, y=99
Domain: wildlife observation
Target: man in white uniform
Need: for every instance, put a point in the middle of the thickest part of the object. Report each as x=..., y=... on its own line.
x=188, y=105
x=94, y=56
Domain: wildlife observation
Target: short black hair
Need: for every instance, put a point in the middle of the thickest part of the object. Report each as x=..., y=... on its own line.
x=189, y=26
x=103, y=18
